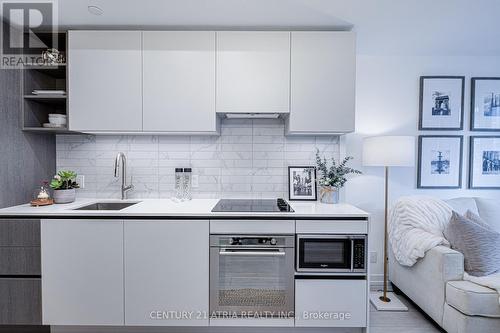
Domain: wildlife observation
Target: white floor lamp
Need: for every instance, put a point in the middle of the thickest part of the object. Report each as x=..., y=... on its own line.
x=388, y=151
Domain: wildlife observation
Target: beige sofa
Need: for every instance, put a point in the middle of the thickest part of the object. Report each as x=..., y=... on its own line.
x=435, y=283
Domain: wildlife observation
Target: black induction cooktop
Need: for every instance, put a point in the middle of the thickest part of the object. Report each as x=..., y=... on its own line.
x=252, y=205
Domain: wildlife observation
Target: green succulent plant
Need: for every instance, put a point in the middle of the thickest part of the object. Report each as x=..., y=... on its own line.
x=335, y=175
x=64, y=180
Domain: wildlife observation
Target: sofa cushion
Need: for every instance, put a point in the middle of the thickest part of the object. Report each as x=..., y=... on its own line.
x=479, y=245
x=489, y=210
x=462, y=205
x=472, y=299
x=477, y=219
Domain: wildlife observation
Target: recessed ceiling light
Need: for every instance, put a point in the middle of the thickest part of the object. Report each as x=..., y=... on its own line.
x=95, y=10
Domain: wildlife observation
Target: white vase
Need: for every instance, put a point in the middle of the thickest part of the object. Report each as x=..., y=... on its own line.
x=328, y=195
x=64, y=196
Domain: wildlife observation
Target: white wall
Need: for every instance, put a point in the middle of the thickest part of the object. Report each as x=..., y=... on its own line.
x=387, y=104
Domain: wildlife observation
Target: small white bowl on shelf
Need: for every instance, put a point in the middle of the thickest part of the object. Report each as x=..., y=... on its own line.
x=57, y=119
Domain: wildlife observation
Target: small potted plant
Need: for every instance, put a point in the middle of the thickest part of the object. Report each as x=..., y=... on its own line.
x=332, y=179
x=64, y=186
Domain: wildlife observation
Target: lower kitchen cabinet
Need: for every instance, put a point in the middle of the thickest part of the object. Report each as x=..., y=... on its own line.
x=330, y=303
x=20, y=301
x=20, y=283
x=19, y=260
x=166, y=272
x=82, y=272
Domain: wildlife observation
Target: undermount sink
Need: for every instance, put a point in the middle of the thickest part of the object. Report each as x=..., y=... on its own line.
x=107, y=206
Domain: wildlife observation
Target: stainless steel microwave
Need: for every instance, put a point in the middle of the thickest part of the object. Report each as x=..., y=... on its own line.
x=331, y=253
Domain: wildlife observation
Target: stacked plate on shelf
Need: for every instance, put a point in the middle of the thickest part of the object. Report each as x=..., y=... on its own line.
x=49, y=92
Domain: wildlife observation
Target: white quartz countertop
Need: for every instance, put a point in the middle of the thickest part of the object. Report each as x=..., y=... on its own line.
x=169, y=208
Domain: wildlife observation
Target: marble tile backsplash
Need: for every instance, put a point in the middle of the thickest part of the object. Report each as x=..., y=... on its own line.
x=249, y=159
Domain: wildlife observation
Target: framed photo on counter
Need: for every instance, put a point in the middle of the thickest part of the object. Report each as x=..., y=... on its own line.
x=302, y=183
x=484, y=163
x=485, y=104
x=441, y=103
x=440, y=160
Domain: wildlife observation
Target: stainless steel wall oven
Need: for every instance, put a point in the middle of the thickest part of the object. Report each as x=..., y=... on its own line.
x=252, y=275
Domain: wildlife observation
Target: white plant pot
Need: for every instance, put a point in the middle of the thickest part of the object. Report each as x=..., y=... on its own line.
x=328, y=195
x=64, y=196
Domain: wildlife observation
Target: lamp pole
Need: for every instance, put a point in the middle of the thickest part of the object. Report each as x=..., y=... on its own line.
x=384, y=297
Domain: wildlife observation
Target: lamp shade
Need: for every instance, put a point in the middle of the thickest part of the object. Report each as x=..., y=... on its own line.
x=389, y=151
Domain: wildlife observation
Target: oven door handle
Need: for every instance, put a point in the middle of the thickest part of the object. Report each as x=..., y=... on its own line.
x=252, y=252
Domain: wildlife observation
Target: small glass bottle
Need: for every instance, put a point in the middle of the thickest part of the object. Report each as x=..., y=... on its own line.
x=187, y=184
x=178, y=183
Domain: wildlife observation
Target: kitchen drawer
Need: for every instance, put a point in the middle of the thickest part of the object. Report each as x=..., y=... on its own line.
x=332, y=227
x=20, y=261
x=255, y=227
x=331, y=303
x=19, y=232
x=20, y=301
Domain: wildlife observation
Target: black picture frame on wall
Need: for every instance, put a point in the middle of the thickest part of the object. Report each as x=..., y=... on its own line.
x=442, y=163
x=444, y=117
x=481, y=119
x=484, y=175
x=299, y=188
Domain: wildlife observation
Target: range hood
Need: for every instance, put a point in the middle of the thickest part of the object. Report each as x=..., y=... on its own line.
x=252, y=115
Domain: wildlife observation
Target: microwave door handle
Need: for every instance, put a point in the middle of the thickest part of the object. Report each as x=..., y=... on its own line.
x=241, y=252
x=352, y=255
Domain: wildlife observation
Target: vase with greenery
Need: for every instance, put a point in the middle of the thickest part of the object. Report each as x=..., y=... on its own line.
x=64, y=185
x=332, y=178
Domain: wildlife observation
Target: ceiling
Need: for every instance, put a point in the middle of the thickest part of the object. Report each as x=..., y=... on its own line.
x=388, y=27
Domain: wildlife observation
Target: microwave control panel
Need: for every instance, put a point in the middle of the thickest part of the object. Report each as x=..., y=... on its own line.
x=359, y=254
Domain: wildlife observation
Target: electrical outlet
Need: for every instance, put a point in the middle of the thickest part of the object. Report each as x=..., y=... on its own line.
x=373, y=257
x=195, y=181
x=80, y=179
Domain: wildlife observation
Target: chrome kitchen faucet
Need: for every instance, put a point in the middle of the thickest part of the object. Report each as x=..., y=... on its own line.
x=125, y=188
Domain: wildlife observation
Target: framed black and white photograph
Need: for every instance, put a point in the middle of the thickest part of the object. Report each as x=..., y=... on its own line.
x=302, y=183
x=441, y=103
x=484, y=163
x=485, y=104
x=440, y=160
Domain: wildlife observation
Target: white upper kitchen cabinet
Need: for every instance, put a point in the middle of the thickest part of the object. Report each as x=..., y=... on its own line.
x=105, y=81
x=166, y=272
x=179, y=81
x=253, y=72
x=323, y=72
x=82, y=272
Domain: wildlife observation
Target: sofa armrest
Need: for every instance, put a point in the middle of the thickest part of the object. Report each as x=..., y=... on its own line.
x=450, y=263
x=425, y=282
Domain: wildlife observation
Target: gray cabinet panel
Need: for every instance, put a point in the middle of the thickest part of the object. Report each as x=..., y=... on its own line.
x=82, y=272
x=253, y=71
x=166, y=268
x=20, y=261
x=20, y=301
x=323, y=84
x=105, y=81
x=17, y=232
x=179, y=81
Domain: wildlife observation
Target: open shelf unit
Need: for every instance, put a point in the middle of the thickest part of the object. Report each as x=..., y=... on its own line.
x=41, y=76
